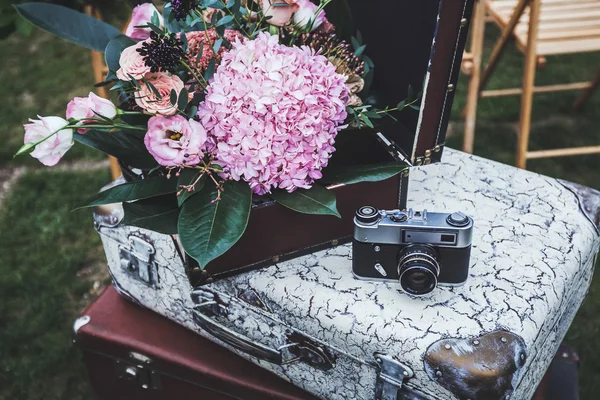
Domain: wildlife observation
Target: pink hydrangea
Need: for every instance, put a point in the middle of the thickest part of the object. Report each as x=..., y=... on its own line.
x=197, y=41
x=175, y=140
x=274, y=112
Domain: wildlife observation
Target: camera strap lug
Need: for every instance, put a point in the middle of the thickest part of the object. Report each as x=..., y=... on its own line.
x=391, y=377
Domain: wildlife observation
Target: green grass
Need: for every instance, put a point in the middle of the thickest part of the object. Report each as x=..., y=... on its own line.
x=43, y=246
x=39, y=76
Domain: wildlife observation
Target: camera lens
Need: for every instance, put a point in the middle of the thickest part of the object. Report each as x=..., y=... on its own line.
x=418, y=270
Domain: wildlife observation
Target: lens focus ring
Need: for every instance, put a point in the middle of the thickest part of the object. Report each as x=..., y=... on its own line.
x=418, y=270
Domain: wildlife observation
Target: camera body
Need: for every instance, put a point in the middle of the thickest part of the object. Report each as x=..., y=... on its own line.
x=421, y=250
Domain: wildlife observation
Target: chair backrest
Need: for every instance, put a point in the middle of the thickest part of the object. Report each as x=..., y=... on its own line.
x=566, y=26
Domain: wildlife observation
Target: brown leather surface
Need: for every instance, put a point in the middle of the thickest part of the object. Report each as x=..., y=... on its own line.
x=190, y=367
x=274, y=230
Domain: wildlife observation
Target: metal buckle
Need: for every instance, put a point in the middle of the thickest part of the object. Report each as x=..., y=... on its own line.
x=137, y=261
x=391, y=377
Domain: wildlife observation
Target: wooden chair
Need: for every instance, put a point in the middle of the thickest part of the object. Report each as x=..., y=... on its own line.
x=540, y=28
x=100, y=70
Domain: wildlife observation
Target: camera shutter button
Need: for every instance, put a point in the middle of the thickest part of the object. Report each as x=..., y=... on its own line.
x=458, y=219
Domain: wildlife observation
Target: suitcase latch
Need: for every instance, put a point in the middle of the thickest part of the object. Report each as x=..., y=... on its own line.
x=137, y=261
x=138, y=370
x=392, y=375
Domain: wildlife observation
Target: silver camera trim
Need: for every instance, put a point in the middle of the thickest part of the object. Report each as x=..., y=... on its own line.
x=392, y=223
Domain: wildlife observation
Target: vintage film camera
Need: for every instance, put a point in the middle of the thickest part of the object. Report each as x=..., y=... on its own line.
x=421, y=250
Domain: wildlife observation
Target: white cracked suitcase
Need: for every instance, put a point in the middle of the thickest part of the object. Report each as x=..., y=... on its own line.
x=310, y=321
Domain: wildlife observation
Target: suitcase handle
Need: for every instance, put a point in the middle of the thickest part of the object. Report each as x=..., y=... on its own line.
x=239, y=341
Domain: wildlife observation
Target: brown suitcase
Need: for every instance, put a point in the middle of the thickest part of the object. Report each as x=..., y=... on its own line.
x=132, y=353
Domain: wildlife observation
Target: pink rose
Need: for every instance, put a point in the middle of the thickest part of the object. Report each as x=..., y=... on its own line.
x=51, y=150
x=89, y=107
x=132, y=64
x=306, y=13
x=141, y=15
x=280, y=11
x=174, y=141
x=164, y=83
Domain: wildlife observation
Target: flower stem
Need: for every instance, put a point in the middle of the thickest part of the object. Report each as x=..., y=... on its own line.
x=200, y=82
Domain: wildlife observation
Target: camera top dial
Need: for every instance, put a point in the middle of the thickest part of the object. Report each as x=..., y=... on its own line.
x=367, y=215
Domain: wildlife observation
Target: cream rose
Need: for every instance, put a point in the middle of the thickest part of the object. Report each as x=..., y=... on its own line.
x=164, y=83
x=132, y=64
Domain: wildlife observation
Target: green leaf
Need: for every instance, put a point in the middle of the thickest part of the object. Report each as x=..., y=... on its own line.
x=184, y=43
x=186, y=178
x=182, y=102
x=69, y=24
x=130, y=191
x=113, y=51
x=208, y=229
x=316, y=200
x=210, y=69
x=362, y=173
x=159, y=214
x=359, y=52
x=126, y=146
x=401, y=105
x=410, y=93
x=365, y=119
x=224, y=21
x=217, y=45
x=173, y=98
x=26, y=148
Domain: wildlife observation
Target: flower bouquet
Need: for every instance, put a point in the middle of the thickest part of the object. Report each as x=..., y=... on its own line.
x=222, y=104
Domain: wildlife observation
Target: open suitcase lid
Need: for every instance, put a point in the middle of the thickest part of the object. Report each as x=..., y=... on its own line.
x=416, y=43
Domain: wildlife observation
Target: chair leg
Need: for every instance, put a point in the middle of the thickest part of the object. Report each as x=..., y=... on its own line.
x=585, y=96
x=528, y=84
x=478, y=33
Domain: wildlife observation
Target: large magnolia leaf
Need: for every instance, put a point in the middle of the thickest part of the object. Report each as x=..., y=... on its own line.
x=159, y=214
x=126, y=146
x=316, y=200
x=208, y=229
x=362, y=173
x=130, y=191
x=69, y=24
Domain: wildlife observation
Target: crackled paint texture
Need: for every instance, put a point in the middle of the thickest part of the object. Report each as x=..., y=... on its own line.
x=532, y=263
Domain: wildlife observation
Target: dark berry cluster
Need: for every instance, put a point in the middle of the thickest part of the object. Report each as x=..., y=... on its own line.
x=181, y=8
x=162, y=52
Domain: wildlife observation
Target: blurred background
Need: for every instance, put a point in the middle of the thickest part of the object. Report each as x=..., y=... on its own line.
x=51, y=260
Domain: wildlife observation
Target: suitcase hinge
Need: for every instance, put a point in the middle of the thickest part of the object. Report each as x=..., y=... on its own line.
x=137, y=369
x=137, y=261
x=392, y=375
